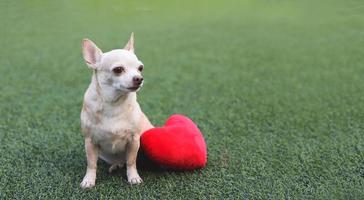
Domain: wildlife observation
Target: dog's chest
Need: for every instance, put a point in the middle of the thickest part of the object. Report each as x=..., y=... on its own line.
x=114, y=129
x=113, y=135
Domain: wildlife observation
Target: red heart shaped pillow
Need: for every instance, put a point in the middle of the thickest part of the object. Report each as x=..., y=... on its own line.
x=179, y=144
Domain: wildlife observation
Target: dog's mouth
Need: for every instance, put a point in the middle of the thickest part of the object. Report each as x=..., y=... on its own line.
x=133, y=88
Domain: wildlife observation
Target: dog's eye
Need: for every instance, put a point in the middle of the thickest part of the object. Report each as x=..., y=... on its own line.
x=140, y=68
x=118, y=70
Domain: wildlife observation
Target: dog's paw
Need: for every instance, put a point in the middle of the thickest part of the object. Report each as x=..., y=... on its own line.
x=87, y=182
x=135, y=179
x=114, y=167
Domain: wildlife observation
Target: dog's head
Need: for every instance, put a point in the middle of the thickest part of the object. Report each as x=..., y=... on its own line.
x=119, y=68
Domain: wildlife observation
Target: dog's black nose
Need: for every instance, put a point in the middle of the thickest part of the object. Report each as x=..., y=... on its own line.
x=137, y=80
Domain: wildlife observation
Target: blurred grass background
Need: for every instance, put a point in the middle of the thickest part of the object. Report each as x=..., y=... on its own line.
x=275, y=86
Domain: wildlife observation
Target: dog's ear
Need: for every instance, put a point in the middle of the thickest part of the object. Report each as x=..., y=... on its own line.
x=130, y=45
x=91, y=53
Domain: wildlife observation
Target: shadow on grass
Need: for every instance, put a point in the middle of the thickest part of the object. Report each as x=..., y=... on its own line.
x=73, y=166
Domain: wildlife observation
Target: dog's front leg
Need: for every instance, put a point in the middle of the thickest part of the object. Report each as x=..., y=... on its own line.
x=92, y=155
x=131, y=155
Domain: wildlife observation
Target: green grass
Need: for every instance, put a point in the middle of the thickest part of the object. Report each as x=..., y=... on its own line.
x=275, y=86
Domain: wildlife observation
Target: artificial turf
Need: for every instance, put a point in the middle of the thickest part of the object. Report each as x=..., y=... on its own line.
x=275, y=86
